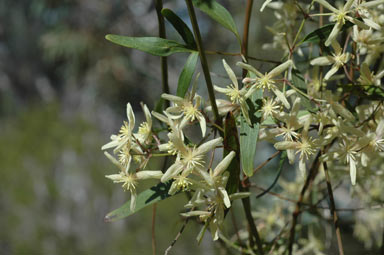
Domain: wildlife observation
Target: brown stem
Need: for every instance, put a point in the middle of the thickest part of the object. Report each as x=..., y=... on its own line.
x=333, y=209
x=244, y=46
x=262, y=165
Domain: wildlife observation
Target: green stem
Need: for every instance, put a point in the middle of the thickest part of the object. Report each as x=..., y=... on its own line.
x=163, y=60
x=203, y=60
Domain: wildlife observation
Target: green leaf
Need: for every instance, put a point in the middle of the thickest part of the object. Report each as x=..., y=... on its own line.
x=299, y=82
x=321, y=34
x=249, y=134
x=148, y=197
x=186, y=74
x=217, y=12
x=231, y=143
x=180, y=27
x=152, y=45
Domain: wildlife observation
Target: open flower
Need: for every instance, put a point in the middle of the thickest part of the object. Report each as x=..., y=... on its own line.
x=340, y=16
x=236, y=95
x=266, y=81
x=130, y=180
x=187, y=108
x=188, y=158
x=337, y=60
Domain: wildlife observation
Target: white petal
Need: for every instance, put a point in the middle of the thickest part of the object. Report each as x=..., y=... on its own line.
x=331, y=72
x=302, y=167
x=153, y=174
x=223, y=165
x=352, y=169
x=227, y=201
x=231, y=74
x=265, y=4
x=280, y=68
x=249, y=68
x=285, y=145
x=322, y=61
x=327, y=5
x=203, y=124
x=130, y=116
x=133, y=201
x=282, y=98
x=172, y=171
x=335, y=31
x=210, y=145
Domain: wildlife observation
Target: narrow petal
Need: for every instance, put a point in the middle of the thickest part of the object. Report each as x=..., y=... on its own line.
x=335, y=31
x=153, y=174
x=195, y=213
x=231, y=74
x=227, y=201
x=282, y=98
x=285, y=145
x=371, y=23
x=133, y=201
x=280, y=68
x=220, y=89
x=322, y=61
x=352, y=169
x=239, y=195
x=172, y=98
x=372, y=3
x=223, y=165
x=249, y=68
x=302, y=167
x=172, y=171
x=331, y=72
x=210, y=145
x=357, y=22
x=130, y=116
x=265, y=5
x=203, y=124
x=348, y=5
x=327, y=5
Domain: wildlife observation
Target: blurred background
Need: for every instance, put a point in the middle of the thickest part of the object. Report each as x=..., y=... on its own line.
x=63, y=92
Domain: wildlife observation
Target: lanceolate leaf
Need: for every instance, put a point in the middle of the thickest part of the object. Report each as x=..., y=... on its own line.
x=180, y=27
x=231, y=143
x=148, y=197
x=217, y=12
x=249, y=134
x=152, y=45
x=186, y=74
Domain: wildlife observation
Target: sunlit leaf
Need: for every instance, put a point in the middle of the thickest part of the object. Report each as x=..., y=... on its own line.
x=186, y=74
x=152, y=45
x=249, y=134
x=180, y=27
x=217, y=12
x=155, y=194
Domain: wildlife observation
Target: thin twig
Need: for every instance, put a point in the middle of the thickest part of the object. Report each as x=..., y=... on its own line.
x=333, y=211
x=177, y=236
x=263, y=164
x=211, y=52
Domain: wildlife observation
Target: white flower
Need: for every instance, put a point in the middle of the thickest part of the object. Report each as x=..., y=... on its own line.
x=266, y=81
x=236, y=95
x=337, y=60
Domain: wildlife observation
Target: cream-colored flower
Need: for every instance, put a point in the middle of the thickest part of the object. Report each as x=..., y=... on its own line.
x=337, y=60
x=266, y=81
x=236, y=95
